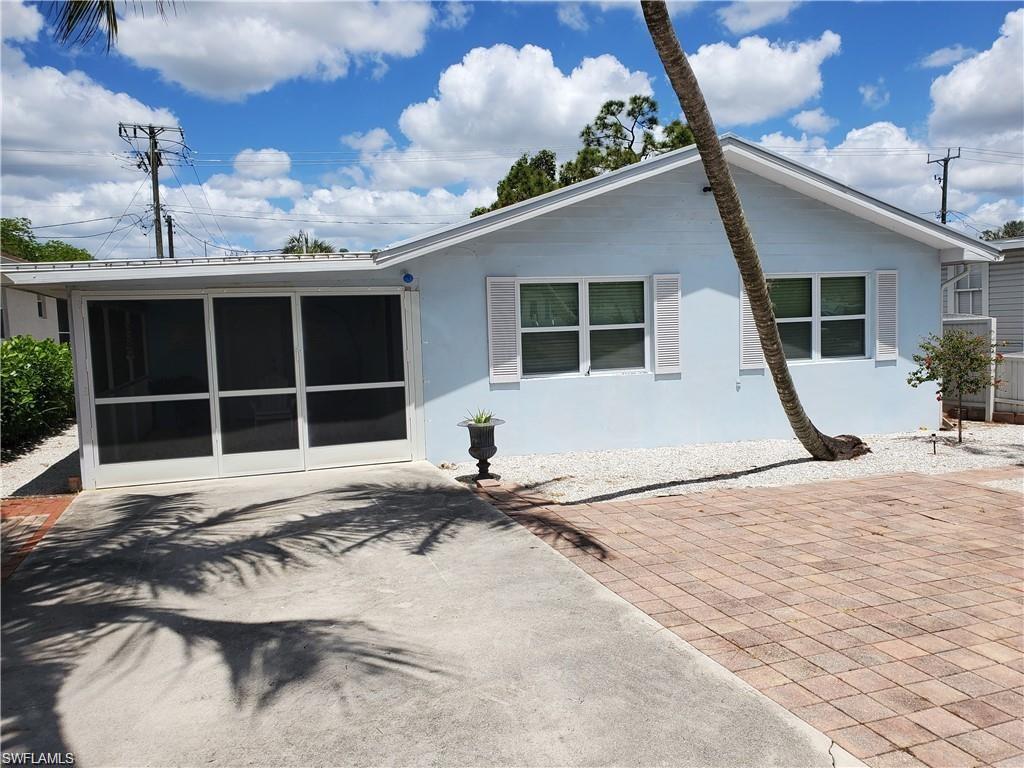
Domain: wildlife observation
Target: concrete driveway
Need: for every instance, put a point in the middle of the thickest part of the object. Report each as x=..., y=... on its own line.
x=366, y=616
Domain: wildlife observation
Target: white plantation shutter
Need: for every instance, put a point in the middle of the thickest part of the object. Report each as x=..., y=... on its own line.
x=886, y=314
x=751, y=354
x=502, y=331
x=666, y=324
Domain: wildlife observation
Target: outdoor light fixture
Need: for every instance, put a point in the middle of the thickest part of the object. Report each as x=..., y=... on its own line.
x=407, y=278
x=935, y=442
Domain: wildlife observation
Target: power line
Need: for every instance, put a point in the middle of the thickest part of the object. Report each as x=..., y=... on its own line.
x=299, y=220
x=81, y=221
x=125, y=213
x=189, y=201
x=202, y=188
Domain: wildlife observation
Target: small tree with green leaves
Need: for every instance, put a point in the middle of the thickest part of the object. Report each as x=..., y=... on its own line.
x=960, y=363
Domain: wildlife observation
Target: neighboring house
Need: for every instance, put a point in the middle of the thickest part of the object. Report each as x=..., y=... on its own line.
x=26, y=313
x=989, y=300
x=603, y=315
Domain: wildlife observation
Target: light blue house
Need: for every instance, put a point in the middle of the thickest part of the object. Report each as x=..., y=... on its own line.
x=605, y=315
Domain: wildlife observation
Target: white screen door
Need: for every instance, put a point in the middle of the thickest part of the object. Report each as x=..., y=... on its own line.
x=257, y=391
x=356, y=407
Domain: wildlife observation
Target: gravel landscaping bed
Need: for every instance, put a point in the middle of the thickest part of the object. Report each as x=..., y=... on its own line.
x=590, y=476
x=44, y=469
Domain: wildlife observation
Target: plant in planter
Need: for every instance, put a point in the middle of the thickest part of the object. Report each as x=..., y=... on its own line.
x=481, y=440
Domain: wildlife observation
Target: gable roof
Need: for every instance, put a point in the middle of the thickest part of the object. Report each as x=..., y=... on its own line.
x=953, y=246
x=741, y=153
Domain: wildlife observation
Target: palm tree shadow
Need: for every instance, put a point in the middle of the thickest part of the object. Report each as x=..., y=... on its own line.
x=692, y=481
x=110, y=573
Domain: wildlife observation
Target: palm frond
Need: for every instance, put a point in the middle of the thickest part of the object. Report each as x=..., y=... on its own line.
x=77, y=22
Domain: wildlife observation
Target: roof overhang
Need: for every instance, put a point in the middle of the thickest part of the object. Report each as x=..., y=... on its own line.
x=951, y=245
x=84, y=273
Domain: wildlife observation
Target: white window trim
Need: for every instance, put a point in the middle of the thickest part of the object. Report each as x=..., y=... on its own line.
x=816, y=318
x=979, y=303
x=583, y=328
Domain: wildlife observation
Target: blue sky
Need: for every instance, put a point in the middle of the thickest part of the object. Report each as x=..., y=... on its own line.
x=382, y=122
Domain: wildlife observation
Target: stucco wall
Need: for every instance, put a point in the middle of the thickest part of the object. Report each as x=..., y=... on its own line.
x=669, y=225
x=21, y=316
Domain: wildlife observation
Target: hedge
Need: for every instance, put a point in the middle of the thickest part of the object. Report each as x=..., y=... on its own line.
x=36, y=389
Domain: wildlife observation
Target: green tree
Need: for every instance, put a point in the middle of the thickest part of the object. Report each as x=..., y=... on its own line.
x=698, y=117
x=1010, y=229
x=301, y=242
x=17, y=238
x=623, y=133
x=528, y=177
x=960, y=363
x=20, y=241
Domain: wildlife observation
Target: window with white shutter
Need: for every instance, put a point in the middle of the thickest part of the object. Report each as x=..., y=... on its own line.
x=667, y=357
x=886, y=314
x=502, y=330
x=751, y=355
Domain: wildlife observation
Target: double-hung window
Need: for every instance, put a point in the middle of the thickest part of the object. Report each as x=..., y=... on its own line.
x=968, y=293
x=821, y=316
x=583, y=326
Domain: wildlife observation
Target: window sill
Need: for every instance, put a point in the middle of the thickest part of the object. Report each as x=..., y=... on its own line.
x=829, y=360
x=592, y=375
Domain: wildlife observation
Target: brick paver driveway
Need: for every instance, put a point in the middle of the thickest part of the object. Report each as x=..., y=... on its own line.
x=886, y=612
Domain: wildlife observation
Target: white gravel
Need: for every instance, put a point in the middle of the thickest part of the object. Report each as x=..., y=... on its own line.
x=44, y=469
x=604, y=475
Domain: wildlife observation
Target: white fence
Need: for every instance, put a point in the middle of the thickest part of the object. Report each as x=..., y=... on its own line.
x=1009, y=396
x=986, y=328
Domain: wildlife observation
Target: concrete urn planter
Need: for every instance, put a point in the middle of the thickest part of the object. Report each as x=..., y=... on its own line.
x=481, y=444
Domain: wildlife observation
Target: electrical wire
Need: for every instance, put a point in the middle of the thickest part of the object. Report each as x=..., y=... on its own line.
x=202, y=188
x=181, y=187
x=125, y=213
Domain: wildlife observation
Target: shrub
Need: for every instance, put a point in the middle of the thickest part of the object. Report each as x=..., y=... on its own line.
x=36, y=389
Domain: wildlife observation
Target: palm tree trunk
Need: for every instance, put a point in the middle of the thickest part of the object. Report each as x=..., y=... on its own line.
x=695, y=110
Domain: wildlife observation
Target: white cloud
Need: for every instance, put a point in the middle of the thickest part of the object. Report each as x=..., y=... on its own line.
x=880, y=159
x=943, y=57
x=874, y=95
x=984, y=93
x=85, y=179
x=980, y=104
x=572, y=16
x=373, y=140
x=742, y=17
x=756, y=79
x=995, y=214
x=20, y=22
x=497, y=100
x=262, y=163
x=454, y=14
x=230, y=50
x=814, y=121
x=38, y=104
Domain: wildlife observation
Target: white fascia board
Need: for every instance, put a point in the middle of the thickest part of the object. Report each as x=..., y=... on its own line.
x=966, y=256
x=111, y=272
x=835, y=194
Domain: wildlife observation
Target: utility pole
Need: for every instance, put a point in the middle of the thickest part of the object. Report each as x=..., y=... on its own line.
x=943, y=178
x=154, y=172
x=150, y=158
x=170, y=236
